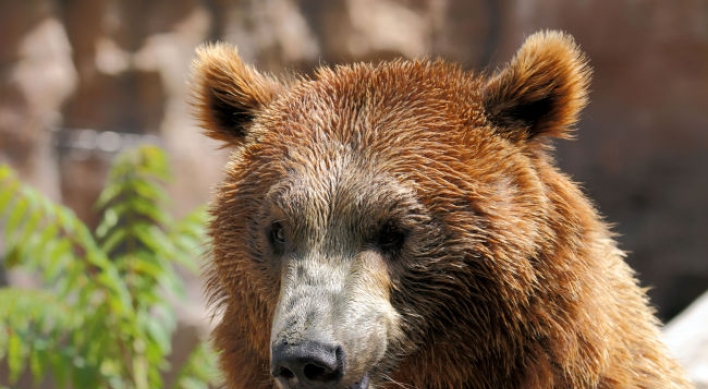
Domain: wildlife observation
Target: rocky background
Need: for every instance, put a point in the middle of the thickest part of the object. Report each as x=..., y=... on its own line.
x=82, y=79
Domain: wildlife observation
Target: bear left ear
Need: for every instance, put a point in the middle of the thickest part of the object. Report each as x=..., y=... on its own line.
x=228, y=94
x=541, y=91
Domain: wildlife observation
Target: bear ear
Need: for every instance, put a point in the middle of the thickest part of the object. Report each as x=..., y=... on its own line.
x=228, y=94
x=541, y=91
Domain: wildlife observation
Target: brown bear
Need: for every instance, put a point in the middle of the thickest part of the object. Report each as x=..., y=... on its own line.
x=403, y=225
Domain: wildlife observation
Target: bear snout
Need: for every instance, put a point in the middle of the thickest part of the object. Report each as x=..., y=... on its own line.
x=307, y=365
x=310, y=365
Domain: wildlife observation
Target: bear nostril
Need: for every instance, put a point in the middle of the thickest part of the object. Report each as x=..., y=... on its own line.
x=285, y=373
x=315, y=372
x=307, y=363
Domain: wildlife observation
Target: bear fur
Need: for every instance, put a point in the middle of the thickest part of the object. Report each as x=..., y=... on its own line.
x=403, y=225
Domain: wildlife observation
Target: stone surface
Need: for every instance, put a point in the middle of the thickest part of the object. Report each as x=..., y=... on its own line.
x=687, y=337
x=36, y=76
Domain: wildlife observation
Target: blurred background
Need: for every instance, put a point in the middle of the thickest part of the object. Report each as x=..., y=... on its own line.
x=81, y=80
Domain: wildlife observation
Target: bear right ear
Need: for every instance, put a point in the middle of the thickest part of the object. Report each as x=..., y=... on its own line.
x=227, y=93
x=541, y=91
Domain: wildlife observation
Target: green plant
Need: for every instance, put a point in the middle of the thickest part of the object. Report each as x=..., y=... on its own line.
x=103, y=318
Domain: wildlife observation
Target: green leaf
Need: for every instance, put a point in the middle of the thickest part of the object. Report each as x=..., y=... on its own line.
x=108, y=222
x=58, y=252
x=15, y=356
x=154, y=161
x=8, y=190
x=66, y=219
x=109, y=193
x=4, y=333
x=5, y=172
x=113, y=240
x=60, y=367
x=160, y=335
x=188, y=251
x=13, y=256
x=49, y=233
x=154, y=239
x=147, y=210
x=140, y=372
x=121, y=299
x=17, y=215
x=85, y=238
x=145, y=264
x=33, y=217
x=148, y=190
x=36, y=365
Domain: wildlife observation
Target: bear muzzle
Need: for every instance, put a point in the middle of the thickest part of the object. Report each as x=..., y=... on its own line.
x=332, y=325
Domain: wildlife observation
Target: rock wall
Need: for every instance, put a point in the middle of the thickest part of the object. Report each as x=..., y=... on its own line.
x=687, y=337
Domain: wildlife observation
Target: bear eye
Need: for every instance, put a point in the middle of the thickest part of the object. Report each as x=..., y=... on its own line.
x=390, y=237
x=277, y=235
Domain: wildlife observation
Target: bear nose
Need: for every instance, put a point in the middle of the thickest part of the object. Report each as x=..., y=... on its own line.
x=309, y=364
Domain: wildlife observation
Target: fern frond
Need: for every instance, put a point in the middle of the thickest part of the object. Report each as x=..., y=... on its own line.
x=106, y=318
x=33, y=325
x=40, y=234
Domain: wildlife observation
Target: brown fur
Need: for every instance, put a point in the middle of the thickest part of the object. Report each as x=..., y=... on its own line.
x=507, y=277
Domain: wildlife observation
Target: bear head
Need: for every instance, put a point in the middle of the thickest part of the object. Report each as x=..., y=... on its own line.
x=379, y=222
